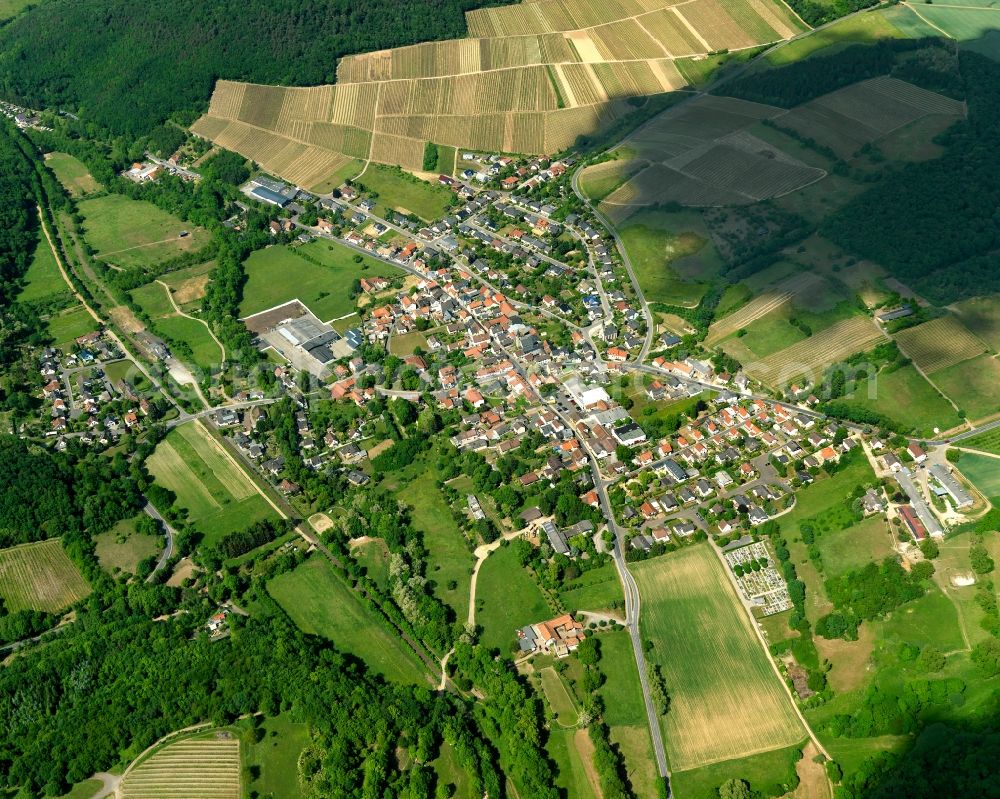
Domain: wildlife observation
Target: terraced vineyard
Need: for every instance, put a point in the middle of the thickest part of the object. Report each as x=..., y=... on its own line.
x=940, y=343
x=207, y=768
x=534, y=77
x=811, y=356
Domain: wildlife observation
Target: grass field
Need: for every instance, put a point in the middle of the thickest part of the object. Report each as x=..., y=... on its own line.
x=450, y=772
x=276, y=755
x=855, y=546
x=450, y=558
x=567, y=748
x=769, y=773
x=324, y=288
x=985, y=442
x=932, y=619
x=982, y=471
x=904, y=396
x=65, y=327
x=726, y=701
x=374, y=556
x=625, y=712
x=557, y=695
x=407, y=343
x=972, y=385
x=188, y=285
x=219, y=496
x=593, y=590
x=83, y=790
x=129, y=233
x=212, y=763
x=981, y=315
x=860, y=28
x=964, y=23
x=672, y=256
x=174, y=328
x=404, y=193
x=321, y=604
x=71, y=173
x=40, y=576
x=507, y=598
x=123, y=548
x=10, y=8
x=42, y=281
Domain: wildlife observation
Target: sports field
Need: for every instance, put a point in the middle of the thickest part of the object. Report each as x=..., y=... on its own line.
x=42, y=281
x=405, y=193
x=507, y=598
x=321, y=604
x=40, y=576
x=726, y=701
x=205, y=766
x=72, y=174
x=324, y=273
x=218, y=495
x=130, y=233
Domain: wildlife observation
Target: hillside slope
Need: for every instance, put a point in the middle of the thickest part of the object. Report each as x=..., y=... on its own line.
x=128, y=65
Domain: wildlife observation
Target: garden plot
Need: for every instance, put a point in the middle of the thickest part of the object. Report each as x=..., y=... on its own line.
x=939, y=344
x=810, y=357
x=759, y=581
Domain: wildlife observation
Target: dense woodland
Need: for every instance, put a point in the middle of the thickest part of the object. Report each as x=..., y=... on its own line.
x=128, y=65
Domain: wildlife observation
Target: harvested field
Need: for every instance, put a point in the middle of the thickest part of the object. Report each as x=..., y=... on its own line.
x=40, y=576
x=726, y=701
x=939, y=344
x=205, y=767
x=813, y=355
x=524, y=64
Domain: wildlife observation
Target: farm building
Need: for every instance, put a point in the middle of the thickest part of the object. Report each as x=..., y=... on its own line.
x=950, y=486
x=558, y=636
x=266, y=195
x=913, y=523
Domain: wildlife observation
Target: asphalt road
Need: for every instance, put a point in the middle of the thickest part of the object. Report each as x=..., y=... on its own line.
x=168, y=532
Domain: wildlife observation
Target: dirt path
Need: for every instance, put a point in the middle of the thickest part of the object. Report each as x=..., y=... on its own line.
x=109, y=785
x=813, y=782
x=482, y=552
x=585, y=748
x=138, y=247
x=179, y=312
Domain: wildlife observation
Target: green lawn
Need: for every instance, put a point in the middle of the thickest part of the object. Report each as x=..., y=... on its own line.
x=972, y=384
x=123, y=548
x=593, y=590
x=87, y=788
x=320, y=603
x=65, y=327
x=276, y=756
x=726, y=700
x=449, y=556
x=771, y=774
x=130, y=233
x=71, y=172
x=42, y=281
x=982, y=471
x=557, y=696
x=279, y=274
x=374, y=556
x=403, y=192
x=508, y=599
x=906, y=397
x=153, y=300
x=854, y=547
x=220, y=498
x=671, y=254
x=450, y=772
x=932, y=619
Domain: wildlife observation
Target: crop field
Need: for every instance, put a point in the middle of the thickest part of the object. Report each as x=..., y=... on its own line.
x=982, y=471
x=760, y=306
x=72, y=174
x=129, y=233
x=206, y=767
x=964, y=22
x=938, y=344
x=40, y=576
x=812, y=355
x=530, y=79
x=323, y=288
x=847, y=119
x=981, y=315
x=726, y=701
x=218, y=495
x=320, y=603
x=972, y=385
x=988, y=441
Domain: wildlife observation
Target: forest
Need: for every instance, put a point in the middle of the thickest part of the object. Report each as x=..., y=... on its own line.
x=128, y=65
